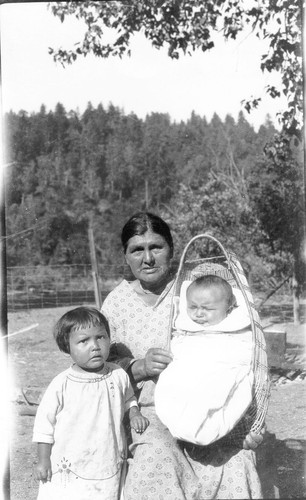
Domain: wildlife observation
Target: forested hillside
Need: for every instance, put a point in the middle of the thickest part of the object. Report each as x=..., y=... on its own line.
x=67, y=169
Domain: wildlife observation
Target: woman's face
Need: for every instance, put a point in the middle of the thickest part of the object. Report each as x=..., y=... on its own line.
x=148, y=256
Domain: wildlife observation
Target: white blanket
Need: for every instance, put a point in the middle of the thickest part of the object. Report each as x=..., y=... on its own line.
x=207, y=388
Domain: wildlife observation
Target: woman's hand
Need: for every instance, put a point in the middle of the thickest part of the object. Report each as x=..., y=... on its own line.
x=253, y=440
x=156, y=360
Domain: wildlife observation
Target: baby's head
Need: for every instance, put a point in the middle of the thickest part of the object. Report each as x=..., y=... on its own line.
x=209, y=300
x=84, y=333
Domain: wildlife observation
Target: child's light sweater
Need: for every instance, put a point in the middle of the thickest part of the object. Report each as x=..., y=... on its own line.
x=81, y=416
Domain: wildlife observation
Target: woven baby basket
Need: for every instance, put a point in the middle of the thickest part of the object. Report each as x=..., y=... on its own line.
x=227, y=266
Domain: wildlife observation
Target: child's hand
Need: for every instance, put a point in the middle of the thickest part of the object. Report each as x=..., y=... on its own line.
x=139, y=423
x=43, y=471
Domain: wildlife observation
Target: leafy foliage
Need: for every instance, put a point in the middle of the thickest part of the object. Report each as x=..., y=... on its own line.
x=277, y=196
x=104, y=165
x=184, y=26
x=221, y=208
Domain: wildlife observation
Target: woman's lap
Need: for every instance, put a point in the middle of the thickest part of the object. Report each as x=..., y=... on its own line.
x=158, y=469
x=226, y=472
x=162, y=469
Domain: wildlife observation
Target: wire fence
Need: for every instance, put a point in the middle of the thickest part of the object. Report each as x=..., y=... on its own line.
x=68, y=285
x=56, y=286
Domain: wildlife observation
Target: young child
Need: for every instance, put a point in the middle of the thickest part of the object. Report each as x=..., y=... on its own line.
x=78, y=425
x=207, y=388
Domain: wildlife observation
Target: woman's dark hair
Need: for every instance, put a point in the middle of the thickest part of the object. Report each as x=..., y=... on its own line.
x=140, y=223
x=80, y=317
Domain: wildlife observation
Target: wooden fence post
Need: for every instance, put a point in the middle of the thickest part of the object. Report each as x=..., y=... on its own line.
x=94, y=265
x=3, y=324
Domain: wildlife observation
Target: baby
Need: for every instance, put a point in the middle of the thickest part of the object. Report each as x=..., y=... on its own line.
x=78, y=425
x=207, y=388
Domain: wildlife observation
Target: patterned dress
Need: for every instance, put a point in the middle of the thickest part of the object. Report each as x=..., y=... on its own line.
x=81, y=415
x=161, y=467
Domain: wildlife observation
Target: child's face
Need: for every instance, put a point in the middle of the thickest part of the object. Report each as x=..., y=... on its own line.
x=206, y=306
x=89, y=347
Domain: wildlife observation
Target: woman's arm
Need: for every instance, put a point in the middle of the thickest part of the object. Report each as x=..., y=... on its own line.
x=154, y=362
x=120, y=355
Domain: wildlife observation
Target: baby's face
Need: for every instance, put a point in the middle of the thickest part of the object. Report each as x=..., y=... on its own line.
x=206, y=306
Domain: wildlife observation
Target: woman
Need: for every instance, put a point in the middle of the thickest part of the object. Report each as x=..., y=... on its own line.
x=139, y=314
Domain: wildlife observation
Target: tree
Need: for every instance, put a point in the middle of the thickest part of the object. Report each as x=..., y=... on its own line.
x=157, y=168
x=187, y=25
x=252, y=204
x=219, y=208
x=193, y=158
x=276, y=193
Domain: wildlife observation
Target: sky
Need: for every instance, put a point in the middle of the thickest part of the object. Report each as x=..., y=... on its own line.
x=149, y=81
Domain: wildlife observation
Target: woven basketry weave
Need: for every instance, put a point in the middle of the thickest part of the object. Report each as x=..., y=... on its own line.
x=228, y=267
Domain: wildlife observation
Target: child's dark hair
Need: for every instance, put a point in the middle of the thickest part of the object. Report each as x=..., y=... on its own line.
x=80, y=317
x=210, y=280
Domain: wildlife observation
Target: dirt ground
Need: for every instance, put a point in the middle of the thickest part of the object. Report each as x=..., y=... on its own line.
x=34, y=360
